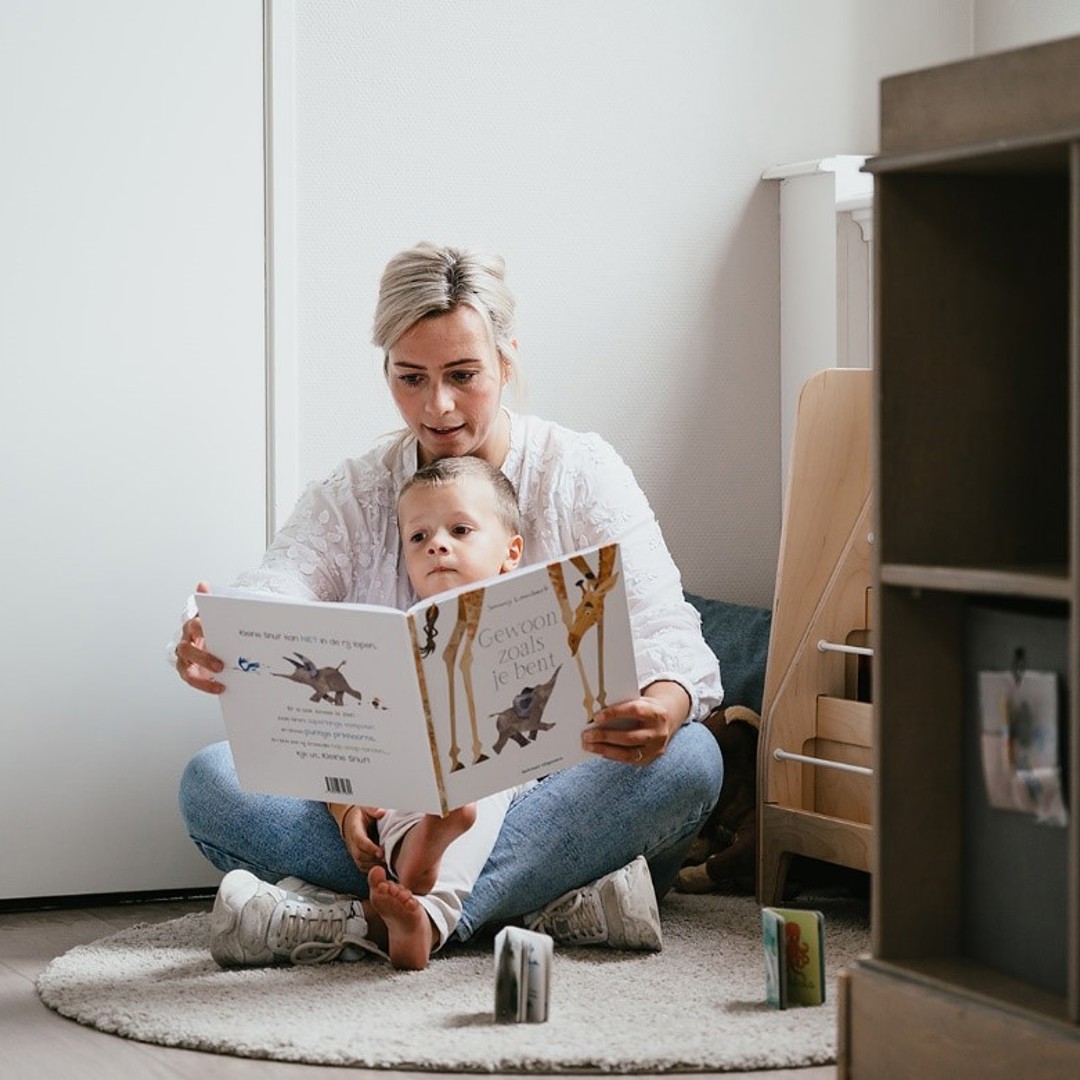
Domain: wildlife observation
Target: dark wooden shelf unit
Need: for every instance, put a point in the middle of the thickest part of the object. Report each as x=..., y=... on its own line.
x=975, y=966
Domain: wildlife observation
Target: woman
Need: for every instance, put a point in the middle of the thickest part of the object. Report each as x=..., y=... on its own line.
x=444, y=321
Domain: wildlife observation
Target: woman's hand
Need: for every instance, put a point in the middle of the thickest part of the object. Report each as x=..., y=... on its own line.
x=196, y=666
x=355, y=827
x=636, y=732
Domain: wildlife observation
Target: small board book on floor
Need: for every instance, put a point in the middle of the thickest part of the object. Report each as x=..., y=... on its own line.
x=523, y=961
x=794, y=956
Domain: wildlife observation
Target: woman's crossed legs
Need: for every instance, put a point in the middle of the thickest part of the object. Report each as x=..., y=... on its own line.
x=566, y=831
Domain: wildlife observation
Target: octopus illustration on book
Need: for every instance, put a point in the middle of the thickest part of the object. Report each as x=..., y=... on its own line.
x=589, y=613
x=523, y=719
x=798, y=952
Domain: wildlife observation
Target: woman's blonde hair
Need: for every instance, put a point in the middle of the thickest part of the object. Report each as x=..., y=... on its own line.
x=428, y=280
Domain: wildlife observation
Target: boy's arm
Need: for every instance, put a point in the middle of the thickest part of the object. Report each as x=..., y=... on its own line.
x=354, y=831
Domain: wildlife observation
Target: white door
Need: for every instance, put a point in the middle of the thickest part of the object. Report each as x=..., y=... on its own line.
x=132, y=404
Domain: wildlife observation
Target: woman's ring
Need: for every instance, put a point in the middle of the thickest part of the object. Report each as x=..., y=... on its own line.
x=640, y=755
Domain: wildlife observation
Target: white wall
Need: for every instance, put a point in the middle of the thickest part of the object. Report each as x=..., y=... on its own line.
x=1010, y=24
x=613, y=151
x=131, y=415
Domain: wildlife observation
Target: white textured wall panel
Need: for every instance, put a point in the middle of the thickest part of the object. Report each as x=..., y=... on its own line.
x=131, y=415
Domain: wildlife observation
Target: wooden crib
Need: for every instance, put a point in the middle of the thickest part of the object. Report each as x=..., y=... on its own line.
x=814, y=752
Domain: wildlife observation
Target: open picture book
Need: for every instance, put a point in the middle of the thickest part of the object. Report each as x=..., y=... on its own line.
x=465, y=694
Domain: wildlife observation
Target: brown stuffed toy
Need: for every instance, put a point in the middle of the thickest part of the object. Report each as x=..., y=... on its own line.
x=724, y=855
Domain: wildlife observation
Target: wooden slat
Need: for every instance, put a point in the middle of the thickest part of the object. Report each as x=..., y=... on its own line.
x=846, y=843
x=845, y=721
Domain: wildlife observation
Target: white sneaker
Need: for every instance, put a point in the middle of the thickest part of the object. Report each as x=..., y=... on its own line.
x=619, y=910
x=315, y=893
x=255, y=923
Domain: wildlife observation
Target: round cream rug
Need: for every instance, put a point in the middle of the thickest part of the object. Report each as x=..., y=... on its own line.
x=697, y=1005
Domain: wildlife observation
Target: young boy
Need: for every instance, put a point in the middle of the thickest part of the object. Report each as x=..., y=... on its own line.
x=459, y=523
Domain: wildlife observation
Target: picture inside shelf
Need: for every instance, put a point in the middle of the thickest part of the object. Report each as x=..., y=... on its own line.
x=1015, y=868
x=1021, y=751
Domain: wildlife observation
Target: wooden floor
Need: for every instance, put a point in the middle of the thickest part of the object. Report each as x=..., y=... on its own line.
x=38, y=1044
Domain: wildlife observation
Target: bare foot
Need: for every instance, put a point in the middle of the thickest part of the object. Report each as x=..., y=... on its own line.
x=409, y=931
x=420, y=854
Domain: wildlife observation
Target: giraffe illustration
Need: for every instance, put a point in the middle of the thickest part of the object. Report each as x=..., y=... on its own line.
x=470, y=606
x=595, y=586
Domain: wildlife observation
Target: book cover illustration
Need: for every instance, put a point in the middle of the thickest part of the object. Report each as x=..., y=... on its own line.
x=512, y=670
x=794, y=956
x=467, y=693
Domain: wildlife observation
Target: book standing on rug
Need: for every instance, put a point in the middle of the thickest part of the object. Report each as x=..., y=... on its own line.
x=466, y=693
x=523, y=960
x=794, y=956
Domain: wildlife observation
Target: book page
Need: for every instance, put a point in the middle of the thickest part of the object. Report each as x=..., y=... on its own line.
x=321, y=700
x=515, y=667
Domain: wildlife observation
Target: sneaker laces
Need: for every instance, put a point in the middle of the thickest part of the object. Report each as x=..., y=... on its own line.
x=316, y=933
x=576, y=918
x=321, y=952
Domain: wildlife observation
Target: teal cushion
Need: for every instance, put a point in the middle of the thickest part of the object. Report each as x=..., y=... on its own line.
x=739, y=637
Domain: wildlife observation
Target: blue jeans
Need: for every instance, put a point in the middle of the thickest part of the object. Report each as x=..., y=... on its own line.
x=571, y=828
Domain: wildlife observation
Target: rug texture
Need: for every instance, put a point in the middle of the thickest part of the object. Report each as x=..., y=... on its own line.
x=698, y=1005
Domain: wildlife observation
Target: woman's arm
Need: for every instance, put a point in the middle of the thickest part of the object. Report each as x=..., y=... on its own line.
x=607, y=504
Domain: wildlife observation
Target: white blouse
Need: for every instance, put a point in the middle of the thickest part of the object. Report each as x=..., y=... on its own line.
x=341, y=542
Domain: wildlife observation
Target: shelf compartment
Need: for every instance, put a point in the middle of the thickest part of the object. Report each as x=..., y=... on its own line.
x=954, y=876
x=973, y=386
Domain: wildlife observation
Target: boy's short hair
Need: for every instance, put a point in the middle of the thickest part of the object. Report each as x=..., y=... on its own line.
x=450, y=470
